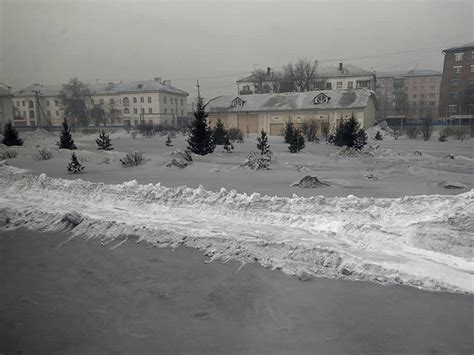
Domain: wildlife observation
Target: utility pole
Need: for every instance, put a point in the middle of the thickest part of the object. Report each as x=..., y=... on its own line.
x=39, y=111
x=198, y=86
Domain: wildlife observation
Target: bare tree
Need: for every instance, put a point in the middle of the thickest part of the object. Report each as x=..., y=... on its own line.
x=288, y=79
x=426, y=127
x=310, y=130
x=304, y=74
x=75, y=97
x=325, y=128
x=259, y=79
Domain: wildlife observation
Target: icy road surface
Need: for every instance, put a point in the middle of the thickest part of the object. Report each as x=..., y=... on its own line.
x=423, y=241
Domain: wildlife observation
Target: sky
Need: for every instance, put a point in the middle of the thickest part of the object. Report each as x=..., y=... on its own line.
x=218, y=42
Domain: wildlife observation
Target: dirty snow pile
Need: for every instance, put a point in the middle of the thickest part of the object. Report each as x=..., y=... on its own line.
x=422, y=241
x=383, y=128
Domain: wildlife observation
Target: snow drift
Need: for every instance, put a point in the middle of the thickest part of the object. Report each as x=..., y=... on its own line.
x=423, y=241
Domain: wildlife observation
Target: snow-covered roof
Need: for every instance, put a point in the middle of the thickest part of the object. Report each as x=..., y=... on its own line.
x=460, y=48
x=348, y=70
x=4, y=90
x=404, y=73
x=338, y=99
x=106, y=88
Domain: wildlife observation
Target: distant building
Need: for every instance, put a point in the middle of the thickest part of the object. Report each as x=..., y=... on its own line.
x=150, y=101
x=6, y=108
x=343, y=76
x=408, y=94
x=457, y=86
x=252, y=113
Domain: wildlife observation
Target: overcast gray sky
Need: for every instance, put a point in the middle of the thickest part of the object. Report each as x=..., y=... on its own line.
x=217, y=42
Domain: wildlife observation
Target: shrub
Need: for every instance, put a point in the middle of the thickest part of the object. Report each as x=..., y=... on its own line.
x=8, y=154
x=169, y=141
x=132, y=159
x=412, y=132
x=146, y=129
x=235, y=135
x=43, y=154
x=310, y=130
x=228, y=146
x=443, y=138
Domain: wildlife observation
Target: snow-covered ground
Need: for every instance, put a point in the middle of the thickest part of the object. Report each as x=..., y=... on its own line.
x=423, y=239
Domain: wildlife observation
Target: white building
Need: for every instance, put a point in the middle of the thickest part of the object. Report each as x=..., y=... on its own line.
x=150, y=101
x=6, y=109
x=341, y=77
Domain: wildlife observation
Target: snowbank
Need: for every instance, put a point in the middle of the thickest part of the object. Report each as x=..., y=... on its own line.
x=423, y=241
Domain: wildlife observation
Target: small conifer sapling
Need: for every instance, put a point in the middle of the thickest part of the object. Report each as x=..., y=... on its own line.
x=262, y=143
x=74, y=166
x=104, y=142
x=169, y=142
x=66, y=141
x=10, y=135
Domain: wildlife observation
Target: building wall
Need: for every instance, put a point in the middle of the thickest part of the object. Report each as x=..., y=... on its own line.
x=456, y=97
x=6, y=110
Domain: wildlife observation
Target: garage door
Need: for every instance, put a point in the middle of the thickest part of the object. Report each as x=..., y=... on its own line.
x=276, y=129
x=248, y=123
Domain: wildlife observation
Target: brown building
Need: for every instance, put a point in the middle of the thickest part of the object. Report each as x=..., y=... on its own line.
x=408, y=94
x=457, y=87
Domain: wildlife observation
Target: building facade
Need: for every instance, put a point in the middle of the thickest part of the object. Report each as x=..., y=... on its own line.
x=130, y=103
x=457, y=86
x=341, y=77
x=6, y=107
x=269, y=112
x=409, y=94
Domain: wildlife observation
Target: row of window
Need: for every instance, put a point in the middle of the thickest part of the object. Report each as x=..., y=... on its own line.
x=456, y=82
x=459, y=56
x=422, y=96
x=422, y=103
x=458, y=68
x=126, y=101
x=126, y=111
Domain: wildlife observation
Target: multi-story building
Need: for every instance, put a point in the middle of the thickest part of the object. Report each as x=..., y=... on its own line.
x=6, y=108
x=457, y=87
x=252, y=113
x=344, y=76
x=408, y=94
x=150, y=101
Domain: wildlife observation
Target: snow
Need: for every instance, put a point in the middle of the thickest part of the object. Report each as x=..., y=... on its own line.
x=422, y=241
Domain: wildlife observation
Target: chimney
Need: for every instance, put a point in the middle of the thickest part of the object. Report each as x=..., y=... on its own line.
x=340, y=66
x=269, y=70
x=158, y=79
x=167, y=82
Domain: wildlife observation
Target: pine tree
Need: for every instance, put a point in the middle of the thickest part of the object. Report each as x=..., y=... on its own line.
x=74, y=166
x=66, y=141
x=297, y=143
x=378, y=136
x=289, y=132
x=168, y=141
x=219, y=133
x=10, y=135
x=262, y=144
x=104, y=142
x=350, y=134
x=200, y=139
x=228, y=146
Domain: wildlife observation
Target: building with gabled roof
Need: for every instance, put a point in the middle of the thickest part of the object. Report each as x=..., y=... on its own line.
x=148, y=101
x=252, y=113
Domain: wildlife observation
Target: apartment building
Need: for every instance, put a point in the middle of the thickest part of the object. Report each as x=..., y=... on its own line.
x=150, y=101
x=457, y=86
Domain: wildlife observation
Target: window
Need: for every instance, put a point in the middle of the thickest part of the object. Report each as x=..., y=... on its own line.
x=32, y=114
x=92, y=101
x=422, y=96
x=126, y=102
x=422, y=103
x=101, y=101
x=56, y=103
x=339, y=85
x=149, y=99
x=472, y=68
x=164, y=99
x=24, y=114
x=111, y=101
x=350, y=84
x=142, y=99
x=415, y=80
x=23, y=104
x=363, y=84
x=432, y=103
x=454, y=82
x=150, y=110
x=458, y=56
x=453, y=95
x=31, y=104
x=175, y=101
x=166, y=110
x=472, y=55
x=432, y=96
x=457, y=69
x=414, y=88
x=321, y=99
x=182, y=102
x=452, y=108
x=406, y=88
x=413, y=104
x=126, y=111
x=142, y=110
x=134, y=100
x=470, y=82
x=237, y=102
x=182, y=113
x=47, y=102
x=18, y=103
x=432, y=88
x=57, y=113
x=135, y=110
x=172, y=111
x=414, y=96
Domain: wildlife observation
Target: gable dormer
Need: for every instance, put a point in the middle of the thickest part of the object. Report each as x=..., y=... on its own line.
x=237, y=102
x=321, y=99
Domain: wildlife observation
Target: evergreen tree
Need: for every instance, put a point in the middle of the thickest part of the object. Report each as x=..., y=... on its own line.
x=10, y=135
x=262, y=144
x=350, y=134
x=168, y=141
x=104, y=142
x=297, y=143
x=200, y=139
x=228, y=146
x=66, y=141
x=378, y=136
x=219, y=133
x=74, y=166
x=289, y=132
